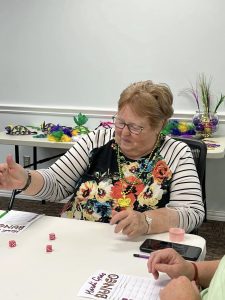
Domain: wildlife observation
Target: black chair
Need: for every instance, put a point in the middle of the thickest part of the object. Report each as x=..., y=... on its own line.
x=199, y=152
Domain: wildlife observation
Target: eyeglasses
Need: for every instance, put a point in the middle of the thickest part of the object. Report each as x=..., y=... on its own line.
x=133, y=128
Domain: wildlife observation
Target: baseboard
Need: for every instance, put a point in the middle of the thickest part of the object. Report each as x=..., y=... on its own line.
x=216, y=215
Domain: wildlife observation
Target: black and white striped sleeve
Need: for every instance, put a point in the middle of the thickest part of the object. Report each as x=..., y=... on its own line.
x=61, y=177
x=185, y=186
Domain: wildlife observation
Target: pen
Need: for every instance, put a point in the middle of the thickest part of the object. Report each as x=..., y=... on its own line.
x=141, y=256
x=4, y=213
x=12, y=199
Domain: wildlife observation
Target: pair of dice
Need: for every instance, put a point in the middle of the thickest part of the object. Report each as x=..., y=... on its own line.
x=49, y=247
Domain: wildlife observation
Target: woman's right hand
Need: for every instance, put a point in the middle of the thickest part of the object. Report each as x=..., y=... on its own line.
x=12, y=175
x=180, y=288
x=170, y=262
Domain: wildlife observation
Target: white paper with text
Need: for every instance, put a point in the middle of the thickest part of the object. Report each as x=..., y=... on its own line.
x=105, y=285
x=16, y=221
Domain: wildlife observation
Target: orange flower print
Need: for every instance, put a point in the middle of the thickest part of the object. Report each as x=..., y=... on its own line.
x=161, y=171
x=123, y=186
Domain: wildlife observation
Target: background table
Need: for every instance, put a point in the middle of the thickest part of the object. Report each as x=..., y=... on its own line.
x=80, y=249
x=217, y=152
x=30, y=141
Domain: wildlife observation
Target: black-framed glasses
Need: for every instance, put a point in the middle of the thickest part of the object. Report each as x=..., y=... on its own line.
x=133, y=128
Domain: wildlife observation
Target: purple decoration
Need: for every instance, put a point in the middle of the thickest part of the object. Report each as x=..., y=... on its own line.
x=196, y=120
x=214, y=120
x=199, y=127
x=55, y=128
x=191, y=132
x=205, y=124
x=175, y=131
x=67, y=131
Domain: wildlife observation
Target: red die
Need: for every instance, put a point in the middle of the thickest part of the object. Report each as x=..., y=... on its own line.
x=49, y=248
x=52, y=236
x=12, y=243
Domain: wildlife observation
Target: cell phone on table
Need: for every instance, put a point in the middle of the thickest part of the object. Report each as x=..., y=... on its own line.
x=186, y=251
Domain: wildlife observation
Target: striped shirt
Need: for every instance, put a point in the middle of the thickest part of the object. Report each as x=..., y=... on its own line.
x=182, y=185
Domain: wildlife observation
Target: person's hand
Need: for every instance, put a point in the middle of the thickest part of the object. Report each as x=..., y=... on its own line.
x=12, y=175
x=170, y=262
x=180, y=288
x=131, y=223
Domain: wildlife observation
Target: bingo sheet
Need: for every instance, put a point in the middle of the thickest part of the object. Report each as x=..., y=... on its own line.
x=17, y=221
x=105, y=285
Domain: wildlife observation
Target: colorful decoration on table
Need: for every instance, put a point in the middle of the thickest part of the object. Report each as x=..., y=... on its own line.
x=211, y=145
x=40, y=136
x=46, y=127
x=18, y=130
x=80, y=120
x=206, y=124
x=205, y=120
x=104, y=124
x=60, y=133
x=178, y=128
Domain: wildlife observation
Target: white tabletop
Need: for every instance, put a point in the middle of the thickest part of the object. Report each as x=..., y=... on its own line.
x=80, y=249
x=217, y=152
x=29, y=140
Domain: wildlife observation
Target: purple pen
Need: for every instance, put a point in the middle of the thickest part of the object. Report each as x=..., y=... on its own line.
x=141, y=256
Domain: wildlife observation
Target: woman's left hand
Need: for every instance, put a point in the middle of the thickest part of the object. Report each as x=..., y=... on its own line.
x=130, y=222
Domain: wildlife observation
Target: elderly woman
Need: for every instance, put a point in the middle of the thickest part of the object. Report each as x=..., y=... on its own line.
x=125, y=175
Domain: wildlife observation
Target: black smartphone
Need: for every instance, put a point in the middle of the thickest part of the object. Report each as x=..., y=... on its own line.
x=188, y=252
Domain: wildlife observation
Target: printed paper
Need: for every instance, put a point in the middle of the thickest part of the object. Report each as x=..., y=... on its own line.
x=16, y=221
x=105, y=285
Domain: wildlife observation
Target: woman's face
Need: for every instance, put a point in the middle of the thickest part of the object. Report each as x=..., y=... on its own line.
x=134, y=145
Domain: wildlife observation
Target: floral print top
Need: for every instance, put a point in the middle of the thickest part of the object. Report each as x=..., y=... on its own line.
x=145, y=185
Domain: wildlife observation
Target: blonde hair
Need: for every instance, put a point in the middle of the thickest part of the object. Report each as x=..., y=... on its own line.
x=150, y=100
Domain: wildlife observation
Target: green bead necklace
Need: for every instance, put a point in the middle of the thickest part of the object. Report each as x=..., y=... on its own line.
x=125, y=201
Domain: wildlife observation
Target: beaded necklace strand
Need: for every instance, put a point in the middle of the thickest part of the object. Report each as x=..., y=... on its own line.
x=125, y=201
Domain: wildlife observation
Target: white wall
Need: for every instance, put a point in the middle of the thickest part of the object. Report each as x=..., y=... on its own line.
x=77, y=55
x=84, y=52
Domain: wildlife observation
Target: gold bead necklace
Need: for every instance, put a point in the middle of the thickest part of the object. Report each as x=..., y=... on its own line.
x=126, y=201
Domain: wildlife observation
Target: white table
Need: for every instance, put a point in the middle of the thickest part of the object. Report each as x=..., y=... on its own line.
x=29, y=140
x=218, y=152
x=81, y=248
